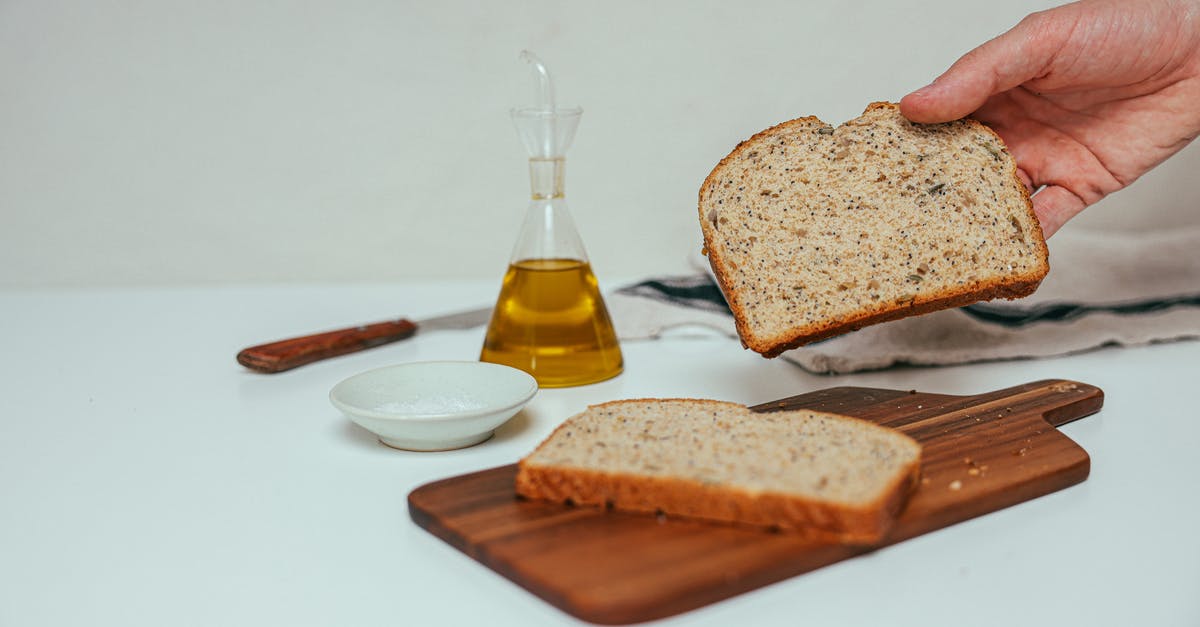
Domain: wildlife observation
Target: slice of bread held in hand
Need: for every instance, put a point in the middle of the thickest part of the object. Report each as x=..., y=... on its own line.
x=834, y=476
x=813, y=231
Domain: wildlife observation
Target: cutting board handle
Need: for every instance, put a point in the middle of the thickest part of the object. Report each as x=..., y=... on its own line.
x=1064, y=400
x=1058, y=401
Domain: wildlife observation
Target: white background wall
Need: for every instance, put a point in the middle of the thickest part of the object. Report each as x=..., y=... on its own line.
x=147, y=142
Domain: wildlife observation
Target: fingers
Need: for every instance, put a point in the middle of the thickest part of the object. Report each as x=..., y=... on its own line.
x=1055, y=205
x=1023, y=53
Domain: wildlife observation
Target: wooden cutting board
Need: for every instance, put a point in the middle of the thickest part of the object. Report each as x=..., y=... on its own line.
x=981, y=453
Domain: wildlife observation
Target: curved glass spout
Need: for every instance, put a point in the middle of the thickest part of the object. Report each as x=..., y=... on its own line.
x=546, y=129
x=544, y=85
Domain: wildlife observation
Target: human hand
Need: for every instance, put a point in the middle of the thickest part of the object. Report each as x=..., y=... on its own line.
x=1088, y=96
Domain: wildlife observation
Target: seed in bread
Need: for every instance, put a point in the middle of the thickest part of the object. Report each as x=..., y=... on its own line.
x=836, y=475
x=813, y=231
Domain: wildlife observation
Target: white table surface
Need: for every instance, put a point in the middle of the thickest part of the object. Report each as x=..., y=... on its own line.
x=147, y=479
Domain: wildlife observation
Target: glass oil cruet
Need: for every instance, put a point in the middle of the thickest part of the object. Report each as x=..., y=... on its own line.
x=550, y=319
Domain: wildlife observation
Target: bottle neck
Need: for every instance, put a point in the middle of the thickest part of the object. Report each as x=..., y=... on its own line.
x=546, y=178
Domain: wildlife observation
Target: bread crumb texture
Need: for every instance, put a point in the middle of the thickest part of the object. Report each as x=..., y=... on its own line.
x=721, y=461
x=813, y=230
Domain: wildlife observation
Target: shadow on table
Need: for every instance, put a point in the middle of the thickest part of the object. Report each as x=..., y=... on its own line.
x=359, y=436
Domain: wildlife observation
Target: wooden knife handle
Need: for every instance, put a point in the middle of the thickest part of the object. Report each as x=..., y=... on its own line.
x=298, y=351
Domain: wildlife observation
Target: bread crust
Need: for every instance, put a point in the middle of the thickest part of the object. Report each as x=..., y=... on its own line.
x=861, y=524
x=1011, y=287
x=865, y=525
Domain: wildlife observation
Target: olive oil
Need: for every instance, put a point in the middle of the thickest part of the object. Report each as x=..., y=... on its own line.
x=551, y=322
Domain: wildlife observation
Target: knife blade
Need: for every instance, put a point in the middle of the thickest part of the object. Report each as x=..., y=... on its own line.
x=282, y=355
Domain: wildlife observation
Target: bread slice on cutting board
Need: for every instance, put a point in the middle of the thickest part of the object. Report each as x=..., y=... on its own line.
x=840, y=476
x=813, y=231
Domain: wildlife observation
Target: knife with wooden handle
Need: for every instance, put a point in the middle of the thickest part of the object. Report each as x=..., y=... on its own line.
x=286, y=354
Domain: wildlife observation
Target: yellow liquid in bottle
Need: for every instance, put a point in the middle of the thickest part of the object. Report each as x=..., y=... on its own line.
x=551, y=322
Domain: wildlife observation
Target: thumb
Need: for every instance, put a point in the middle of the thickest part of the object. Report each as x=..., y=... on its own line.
x=1019, y=55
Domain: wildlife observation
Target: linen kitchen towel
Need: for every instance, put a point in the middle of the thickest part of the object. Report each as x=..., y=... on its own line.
x=1103, y=289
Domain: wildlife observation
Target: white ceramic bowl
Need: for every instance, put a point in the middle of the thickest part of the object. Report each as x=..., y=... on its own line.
x=434, y=405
